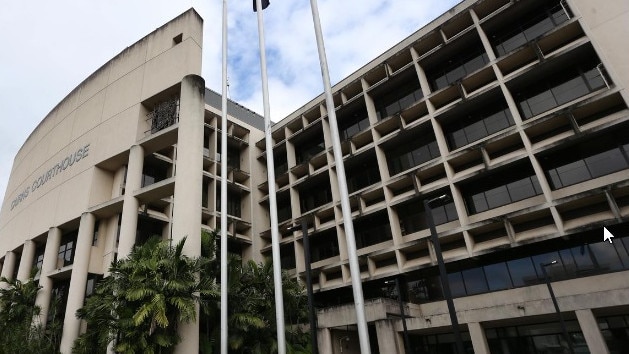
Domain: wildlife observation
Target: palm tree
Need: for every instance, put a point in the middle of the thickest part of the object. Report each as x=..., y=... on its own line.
x=17, y=311
x=251, y=315
x=141, y=303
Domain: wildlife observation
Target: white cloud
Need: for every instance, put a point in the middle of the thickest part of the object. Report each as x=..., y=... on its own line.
x=49, y=47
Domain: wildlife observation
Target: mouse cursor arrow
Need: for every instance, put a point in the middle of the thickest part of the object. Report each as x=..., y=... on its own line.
x=607, y=236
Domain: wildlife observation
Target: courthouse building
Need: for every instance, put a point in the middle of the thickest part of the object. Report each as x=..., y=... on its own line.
x=517, y=110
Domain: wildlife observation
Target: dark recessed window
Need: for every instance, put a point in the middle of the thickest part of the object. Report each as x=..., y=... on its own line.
x=398, y=94
x=38, y=260
x=178, y=38
x=67, y=248
x=528, y=27
x=502, y=188
x=314, y=196
x=562, y=87
x=476, y=125
x=409, y=154
x=323, y=245
x=95, y=235
x=597, y=157
x=287, y=256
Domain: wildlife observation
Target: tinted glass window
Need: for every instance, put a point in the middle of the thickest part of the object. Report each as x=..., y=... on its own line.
x=606, y=256
x=457, y=287
x=522, y=271
x=475, y=282
x=498, y=276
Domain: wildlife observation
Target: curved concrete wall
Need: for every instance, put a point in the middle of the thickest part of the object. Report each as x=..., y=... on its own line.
x=55, y=175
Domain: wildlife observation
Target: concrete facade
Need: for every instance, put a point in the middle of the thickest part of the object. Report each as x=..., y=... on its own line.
x=515, y=109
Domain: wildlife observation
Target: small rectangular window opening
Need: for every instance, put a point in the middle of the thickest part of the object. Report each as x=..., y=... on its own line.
x=177, y=39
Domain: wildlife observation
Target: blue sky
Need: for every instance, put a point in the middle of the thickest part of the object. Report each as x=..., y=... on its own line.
x=49, y=47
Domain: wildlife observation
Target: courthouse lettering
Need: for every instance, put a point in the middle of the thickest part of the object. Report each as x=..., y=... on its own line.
x=51, y=173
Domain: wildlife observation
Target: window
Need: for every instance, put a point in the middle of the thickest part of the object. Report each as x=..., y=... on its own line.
x=148, y=228
x=38, y=260
x=59, y=301
x=233, y=203
x=479, y=124
x=280, y=161
x=450, y=71
x=314, y=196
x=535, y=338
x=615, y=330
x=306, y=149
x=95, y=235
x=397, y=95
x=499, y=278
x=559, y=89
x=323, y=245
x=475, y=281
x=413, y=218
x=408, y=154
x=359, y=178
x=352, y=123
x=527, y=28
x=372, y=229
x=153, y=172
x=118, y=228
x=512, y=185
x=582, y=256
x=287, y=256
x=164, y=114
x=443, y=343
x=284, y=211
x=67, y=248
x=92, y=280
x=522, y=272
x=587, y=160
x=233, y=159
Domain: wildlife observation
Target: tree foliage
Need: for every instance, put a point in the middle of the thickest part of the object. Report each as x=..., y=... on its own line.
x=251, y=307
x=20, y=329
x=140, y=304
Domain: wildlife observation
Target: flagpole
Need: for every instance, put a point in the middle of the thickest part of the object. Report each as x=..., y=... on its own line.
x=354, y=268
x=277, y=266
x=224, y=282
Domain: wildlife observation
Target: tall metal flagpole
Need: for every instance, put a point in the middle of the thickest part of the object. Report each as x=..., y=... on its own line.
x=224, y=190
x=277, y=266
x=359, y=302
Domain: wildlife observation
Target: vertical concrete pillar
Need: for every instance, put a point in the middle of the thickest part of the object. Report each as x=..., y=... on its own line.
x=593, y=336
x=129, y=223
x=387, y=338
x=26, y=262
x=51, y=254
x=9, y=265
x=188, y=186
x=76, y=292
x=324, y=340
x=479, y=341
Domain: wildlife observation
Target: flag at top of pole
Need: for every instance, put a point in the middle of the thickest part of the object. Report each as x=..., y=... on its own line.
x=265, y=4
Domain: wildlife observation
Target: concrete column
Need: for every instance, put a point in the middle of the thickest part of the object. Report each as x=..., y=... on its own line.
x=51, y=254
x=479, y=341
x=76, y=292
x=593, y=336
x=26, y=262
x=129, y=223
x=324, y=340
x=188, y=187
x=387, y=338
x=9, y=266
